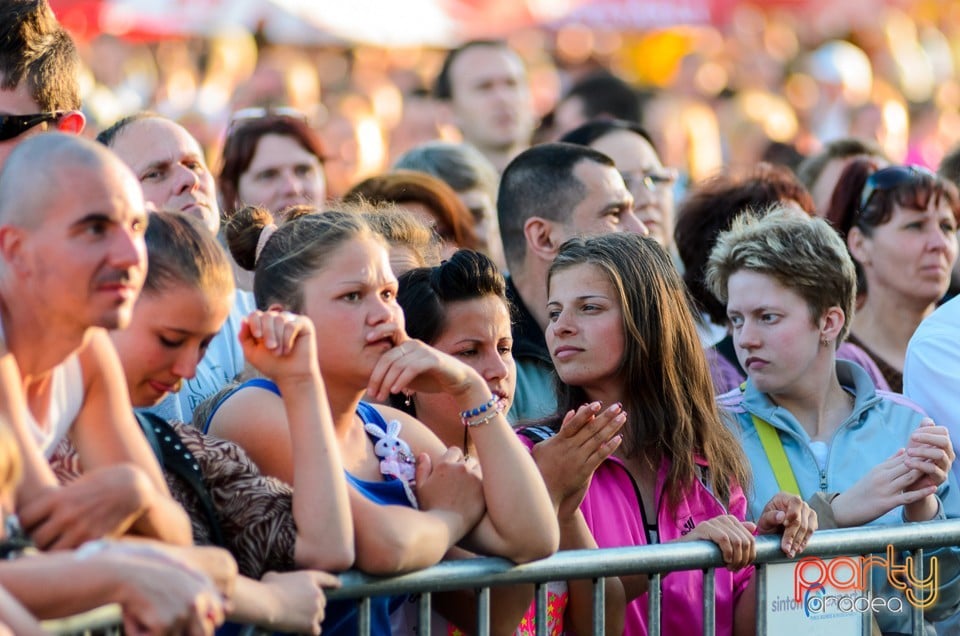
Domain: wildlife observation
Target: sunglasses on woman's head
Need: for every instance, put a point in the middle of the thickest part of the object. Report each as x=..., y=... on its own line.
x=890, y=177
x=14, y=125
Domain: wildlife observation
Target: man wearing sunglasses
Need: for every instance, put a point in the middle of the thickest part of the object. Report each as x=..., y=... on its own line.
x=39, y=67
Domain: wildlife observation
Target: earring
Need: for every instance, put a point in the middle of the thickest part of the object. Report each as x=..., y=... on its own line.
x=408, y=401
x=824, y=342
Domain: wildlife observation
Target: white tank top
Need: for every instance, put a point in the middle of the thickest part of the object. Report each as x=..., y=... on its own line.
x=66, y=399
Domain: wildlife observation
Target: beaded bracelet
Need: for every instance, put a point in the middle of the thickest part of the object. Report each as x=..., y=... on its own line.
x=483, y=408
x=483, y=413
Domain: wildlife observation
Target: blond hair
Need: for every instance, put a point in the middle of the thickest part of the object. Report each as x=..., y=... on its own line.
x=803, y=254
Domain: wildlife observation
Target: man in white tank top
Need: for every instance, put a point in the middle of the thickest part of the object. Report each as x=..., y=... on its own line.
x=39, y=91
x=72, y=261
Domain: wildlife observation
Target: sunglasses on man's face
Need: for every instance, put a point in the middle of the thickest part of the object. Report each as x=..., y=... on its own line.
x=14, y=125
x=888, y=178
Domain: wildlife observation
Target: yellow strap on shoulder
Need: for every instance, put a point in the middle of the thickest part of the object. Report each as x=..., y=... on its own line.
x=777, y=457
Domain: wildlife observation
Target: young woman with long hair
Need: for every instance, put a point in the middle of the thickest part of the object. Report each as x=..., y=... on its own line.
x=461, y=308
x=622, y=338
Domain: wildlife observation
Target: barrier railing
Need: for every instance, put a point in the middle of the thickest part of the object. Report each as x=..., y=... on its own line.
x=102, y=621
x=656, y=560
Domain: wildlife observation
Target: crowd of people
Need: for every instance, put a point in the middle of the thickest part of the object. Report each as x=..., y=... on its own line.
x=219, y=390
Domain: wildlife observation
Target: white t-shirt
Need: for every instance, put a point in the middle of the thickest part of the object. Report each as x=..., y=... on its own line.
x=931, y=371
x=820, y=451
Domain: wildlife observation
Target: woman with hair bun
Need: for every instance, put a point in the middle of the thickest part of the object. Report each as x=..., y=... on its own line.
x=411, y=497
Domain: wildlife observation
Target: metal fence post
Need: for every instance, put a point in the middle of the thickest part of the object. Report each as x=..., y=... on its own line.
x=709, y=602
x=599, y=607
x=653, y=605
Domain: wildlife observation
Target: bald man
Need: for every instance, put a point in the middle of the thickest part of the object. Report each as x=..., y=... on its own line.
x=168, y=163
x=72, y=262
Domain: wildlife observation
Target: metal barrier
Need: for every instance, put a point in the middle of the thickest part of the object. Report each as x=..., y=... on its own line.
x=102, y=621
x=656, y=560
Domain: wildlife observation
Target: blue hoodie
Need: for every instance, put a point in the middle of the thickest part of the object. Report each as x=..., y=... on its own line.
x=880, y=425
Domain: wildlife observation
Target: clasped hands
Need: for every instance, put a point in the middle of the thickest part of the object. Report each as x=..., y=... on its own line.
x=909, y=478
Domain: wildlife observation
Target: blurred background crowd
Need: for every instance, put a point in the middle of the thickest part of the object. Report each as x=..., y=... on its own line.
x=721, y=82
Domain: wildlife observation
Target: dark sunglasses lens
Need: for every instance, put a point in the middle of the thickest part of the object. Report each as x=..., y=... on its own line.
x=890, y=177
x=13, y=125
x=9, y=128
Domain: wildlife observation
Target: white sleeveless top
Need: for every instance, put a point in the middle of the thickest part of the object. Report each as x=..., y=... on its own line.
x=66, y=399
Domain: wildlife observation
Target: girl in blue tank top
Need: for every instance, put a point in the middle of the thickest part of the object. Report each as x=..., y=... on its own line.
x=411, y=498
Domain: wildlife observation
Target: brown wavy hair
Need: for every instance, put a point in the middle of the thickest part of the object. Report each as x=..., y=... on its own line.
x=241, y=145
x=710, y=209
x=409, y=186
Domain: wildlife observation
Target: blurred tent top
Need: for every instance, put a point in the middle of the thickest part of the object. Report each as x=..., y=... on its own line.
x=388, y=22
x=145, y=20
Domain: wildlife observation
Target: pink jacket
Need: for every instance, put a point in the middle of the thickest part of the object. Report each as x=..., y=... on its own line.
x=611, y=508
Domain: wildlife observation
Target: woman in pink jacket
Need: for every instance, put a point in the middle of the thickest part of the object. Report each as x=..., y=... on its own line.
x=621, y=334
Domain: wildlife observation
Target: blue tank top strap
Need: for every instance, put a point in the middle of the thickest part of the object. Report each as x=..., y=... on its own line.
x=390, y=490
x=341, y=616
x=260, y=383
x=370, y=415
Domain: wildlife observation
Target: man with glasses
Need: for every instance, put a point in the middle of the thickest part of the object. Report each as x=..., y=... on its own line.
x=39, y=67
x=648, y=181
x=548, y=194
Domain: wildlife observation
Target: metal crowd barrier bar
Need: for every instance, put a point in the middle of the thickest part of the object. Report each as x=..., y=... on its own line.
x=483, y=573
x=105, y=620
x=655, y=560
